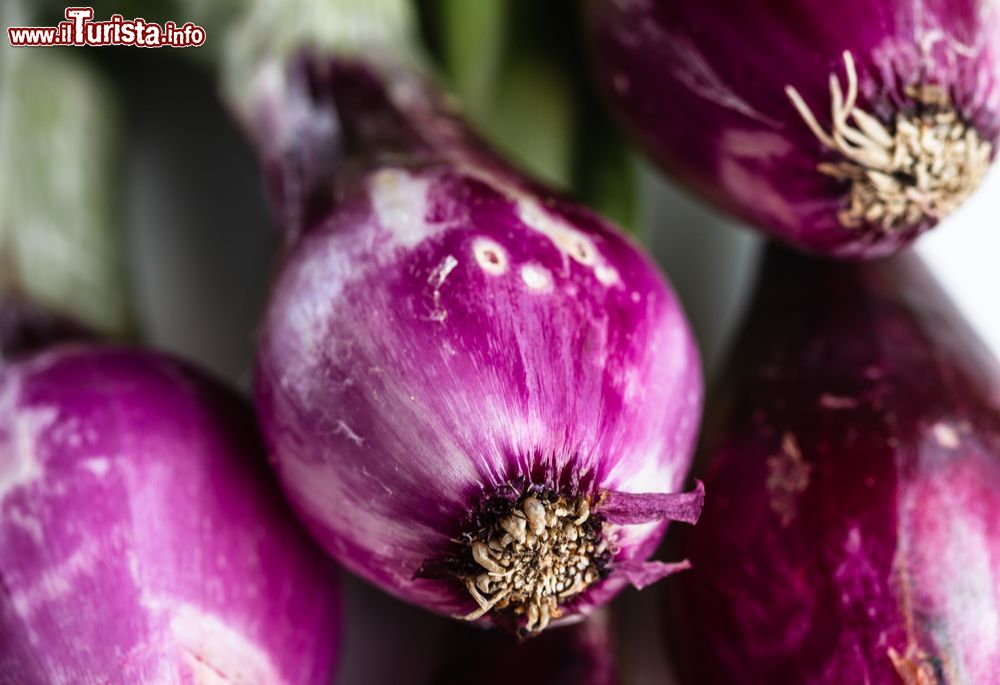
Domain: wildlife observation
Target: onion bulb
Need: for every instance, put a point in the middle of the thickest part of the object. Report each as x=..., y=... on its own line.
x=845, y=128
x=478, y=395
x=853, y=535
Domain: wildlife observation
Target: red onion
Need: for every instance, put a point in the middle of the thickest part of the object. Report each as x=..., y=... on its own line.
x=582, y=654
x=845, y=128
x=853, y=533
x=141, y=537
x=477, y=394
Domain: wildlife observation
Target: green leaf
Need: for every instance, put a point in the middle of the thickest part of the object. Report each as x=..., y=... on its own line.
x=61, y=242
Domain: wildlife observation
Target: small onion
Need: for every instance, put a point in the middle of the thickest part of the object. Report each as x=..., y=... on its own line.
x=846, y=128
x=142, y=540
x=853, y=533
x=478, y=395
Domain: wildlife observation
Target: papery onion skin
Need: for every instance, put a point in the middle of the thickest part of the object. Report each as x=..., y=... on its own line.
x=581, y=654
x=702, y=87
x=853, y=535
x=142, y=538
x=445, y=331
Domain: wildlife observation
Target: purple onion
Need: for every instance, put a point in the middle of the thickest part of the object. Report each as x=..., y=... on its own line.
x=845, y=128
x=582, y=654
x=142, y=539
x=458, y=369
x=853, y=533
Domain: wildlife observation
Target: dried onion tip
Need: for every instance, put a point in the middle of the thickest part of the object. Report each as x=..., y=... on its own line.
x=846, y=129
x=917, y=170
x=442, y=328
x=545, y=551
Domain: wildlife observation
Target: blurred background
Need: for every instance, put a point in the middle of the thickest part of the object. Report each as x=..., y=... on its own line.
x=199, y=245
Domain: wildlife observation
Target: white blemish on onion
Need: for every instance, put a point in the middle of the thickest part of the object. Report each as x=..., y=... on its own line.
x=490, y=256
x=56, y=581
x=216, y=654
x=567, y=239
x=946, y=436
x=441, y=271
x=607, y=274
x=788, y=477
x=633, y=385
x=97, y=465
x=27, y=522
x=132, y=561
x=536, y=277
x=22, y=426
x=400, y=202
x=345, y=430
x=436, y=280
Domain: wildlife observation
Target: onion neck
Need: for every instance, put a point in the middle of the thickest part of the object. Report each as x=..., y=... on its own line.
x=336, y=90
x=274, y=31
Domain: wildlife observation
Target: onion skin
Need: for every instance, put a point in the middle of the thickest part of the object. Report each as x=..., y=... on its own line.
x=581, y=654
x=444, y=330
x=702, y=87
x=142, y=540
x=853, y=535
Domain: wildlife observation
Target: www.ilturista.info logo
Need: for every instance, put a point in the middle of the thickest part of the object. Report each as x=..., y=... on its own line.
x=80, y=29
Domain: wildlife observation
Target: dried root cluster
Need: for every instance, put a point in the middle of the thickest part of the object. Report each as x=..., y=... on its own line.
x=921, y=168
x=545, y=551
